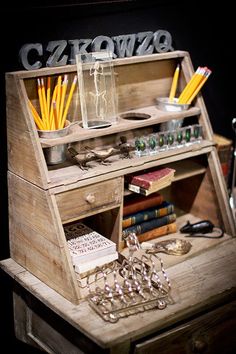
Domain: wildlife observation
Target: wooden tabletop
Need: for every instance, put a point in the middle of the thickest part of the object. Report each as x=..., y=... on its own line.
x=198, y=283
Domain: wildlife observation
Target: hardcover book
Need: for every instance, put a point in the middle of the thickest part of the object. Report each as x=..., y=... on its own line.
x=163, y=209
x=149, y=225
x=135, y=203
x=153, y=189
x=153, y=179
x=157, y=232
x=86, y=245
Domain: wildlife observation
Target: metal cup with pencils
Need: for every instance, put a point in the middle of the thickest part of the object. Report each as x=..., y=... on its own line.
x=188, y=94
x=52, y=121
x=55, y=154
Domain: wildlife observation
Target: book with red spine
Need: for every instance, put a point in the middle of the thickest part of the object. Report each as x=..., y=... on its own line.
x=135, y=203
x=153, y=179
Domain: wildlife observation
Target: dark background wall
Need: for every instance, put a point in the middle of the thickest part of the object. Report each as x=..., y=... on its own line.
x=205, y=31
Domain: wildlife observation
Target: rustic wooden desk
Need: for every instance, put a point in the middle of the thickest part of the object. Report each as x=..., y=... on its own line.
x=202, y=318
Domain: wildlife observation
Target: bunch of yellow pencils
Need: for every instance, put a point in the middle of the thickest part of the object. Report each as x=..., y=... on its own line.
x=193, y=86
x=53, y=108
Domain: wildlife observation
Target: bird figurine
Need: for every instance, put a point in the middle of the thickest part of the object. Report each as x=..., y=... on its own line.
x=125, y=147
x=102, y=155
x=81, y=158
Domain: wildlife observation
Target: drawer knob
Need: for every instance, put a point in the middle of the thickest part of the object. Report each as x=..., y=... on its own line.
x=199, y=345
x=90, y=198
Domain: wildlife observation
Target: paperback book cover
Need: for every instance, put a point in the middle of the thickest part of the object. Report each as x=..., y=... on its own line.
x=163, y=209
x=84, y=268
x=85, y=244
x=136, y=202
x=149, y=225
x=153, y=179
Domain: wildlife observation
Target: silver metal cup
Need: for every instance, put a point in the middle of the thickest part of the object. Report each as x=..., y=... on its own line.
x=55, y=154
x=163, y=104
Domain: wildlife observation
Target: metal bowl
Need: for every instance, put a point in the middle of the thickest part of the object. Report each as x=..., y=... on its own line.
x=164, y=105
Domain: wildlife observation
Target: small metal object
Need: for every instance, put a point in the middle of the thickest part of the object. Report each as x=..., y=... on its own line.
x=139, y=288
x=174, y=246
x=55, y=154
x=203, y=228
x=164, y=105
x=118, y=288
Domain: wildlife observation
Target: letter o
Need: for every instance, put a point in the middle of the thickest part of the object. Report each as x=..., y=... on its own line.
x=99, y=41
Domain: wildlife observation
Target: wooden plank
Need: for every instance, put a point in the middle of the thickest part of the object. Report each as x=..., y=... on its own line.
x=73, y=177
x=188, y=70
x=25, y=156
x=212, y=332
x=37, y=239
x=77, y=133
x=198, y=283
x=186, y=168
x=221, y=193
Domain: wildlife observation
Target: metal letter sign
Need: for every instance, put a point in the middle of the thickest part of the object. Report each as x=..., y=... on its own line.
x=31, y=55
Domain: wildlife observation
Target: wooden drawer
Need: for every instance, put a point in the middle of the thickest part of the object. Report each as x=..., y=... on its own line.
x=89, y=200
x=212, y=333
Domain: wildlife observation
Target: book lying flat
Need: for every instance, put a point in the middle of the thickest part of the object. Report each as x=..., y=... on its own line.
x=149, y=225
x=86, y=244
x=157, y=232
x=135, y=203
x=163, y=209
x=152, y=179
x=153, y=189
x=98, y=262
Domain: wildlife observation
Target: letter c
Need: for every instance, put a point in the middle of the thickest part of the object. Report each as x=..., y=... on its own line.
x=24, y=52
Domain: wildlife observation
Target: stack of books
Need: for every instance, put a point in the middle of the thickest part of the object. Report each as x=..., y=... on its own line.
x=148, y=217
x=88, y=248
x=151, y=182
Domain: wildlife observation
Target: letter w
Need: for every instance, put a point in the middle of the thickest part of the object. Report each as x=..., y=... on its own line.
x=124, y=45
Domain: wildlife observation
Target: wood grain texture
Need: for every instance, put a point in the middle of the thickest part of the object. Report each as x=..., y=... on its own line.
x=199, y=283
x=37, y=239
x=139, y=81
x=212, y=333
x=85, y=201
x=25, y=156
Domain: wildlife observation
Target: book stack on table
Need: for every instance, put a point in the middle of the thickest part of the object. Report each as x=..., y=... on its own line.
x=88, y=248
x=148, y=217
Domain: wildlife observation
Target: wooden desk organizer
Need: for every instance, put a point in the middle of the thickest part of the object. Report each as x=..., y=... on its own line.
x=42, y=198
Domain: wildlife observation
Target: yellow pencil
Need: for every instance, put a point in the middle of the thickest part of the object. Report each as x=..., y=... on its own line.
x=55, y=115
x=58, y=98
x=45, y=104
x=36, y=116
x=188, y=86
x=207, y=74
x=196, y=83
x=63, y=94
x=68, y=102
x=48, y=94
x=41, y=101
x=51, y=118
x=174, y=84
